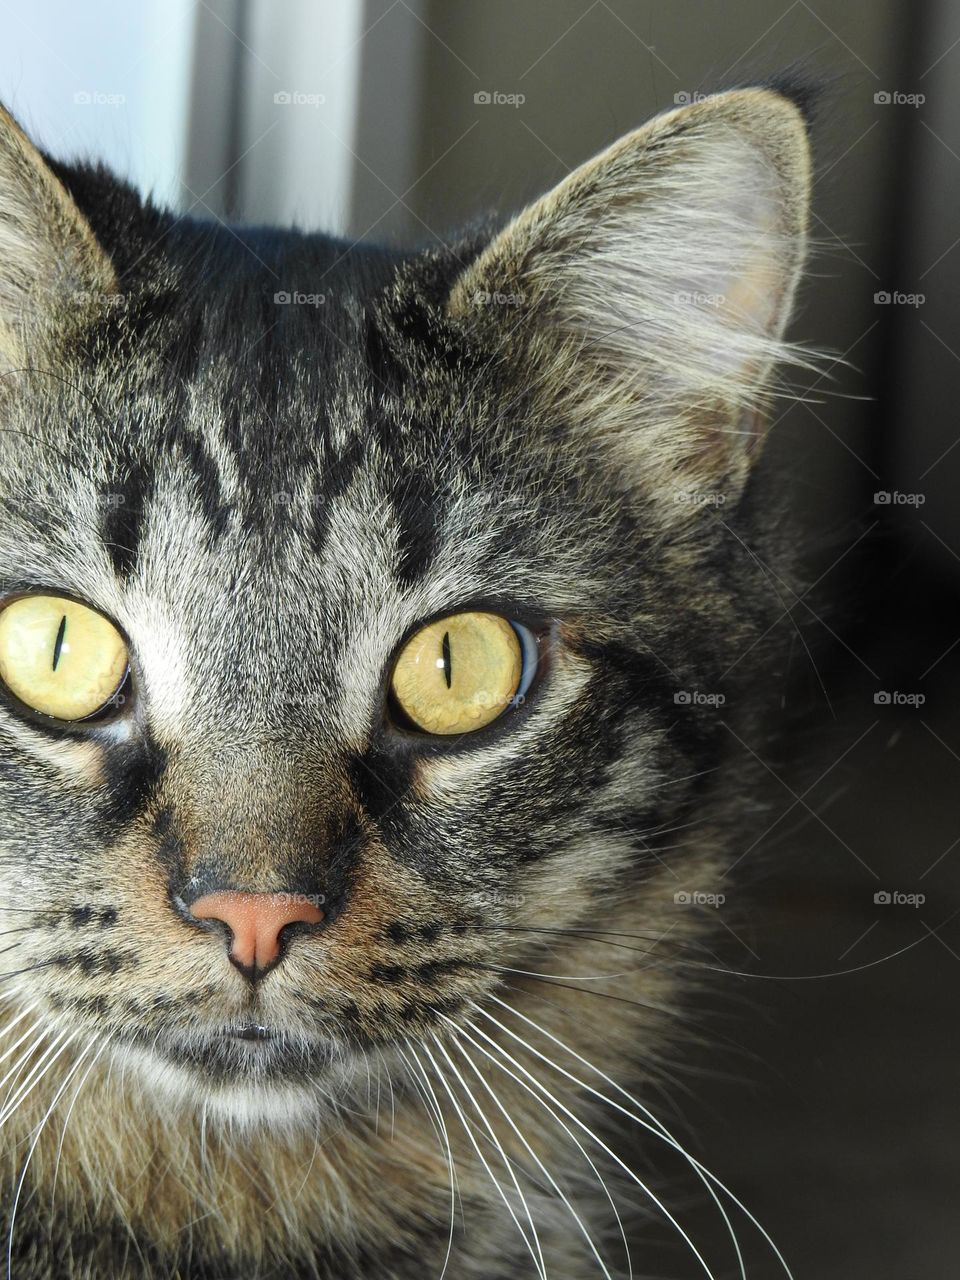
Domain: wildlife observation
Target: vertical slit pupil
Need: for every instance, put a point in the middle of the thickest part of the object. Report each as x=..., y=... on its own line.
x=447, y=665
x=58, y=644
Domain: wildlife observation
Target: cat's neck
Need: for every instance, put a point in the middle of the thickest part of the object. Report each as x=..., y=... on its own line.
x=116, y=1158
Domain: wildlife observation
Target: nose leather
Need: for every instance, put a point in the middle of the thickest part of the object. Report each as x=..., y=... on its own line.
x=256, y=921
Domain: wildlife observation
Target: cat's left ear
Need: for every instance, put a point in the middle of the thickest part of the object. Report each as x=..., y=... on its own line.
x=52, y=268
x=645, y=298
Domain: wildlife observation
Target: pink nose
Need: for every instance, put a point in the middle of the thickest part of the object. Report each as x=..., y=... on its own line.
x=256, y=921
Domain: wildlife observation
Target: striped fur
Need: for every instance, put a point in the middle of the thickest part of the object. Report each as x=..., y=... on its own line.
x=267, y=497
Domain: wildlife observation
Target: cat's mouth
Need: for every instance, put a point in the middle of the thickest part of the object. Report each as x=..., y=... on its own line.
x=250, y=1031
x=246, y=1071
x=247, y=1050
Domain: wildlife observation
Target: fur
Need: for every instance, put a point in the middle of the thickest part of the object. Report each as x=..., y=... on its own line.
x=267, y=498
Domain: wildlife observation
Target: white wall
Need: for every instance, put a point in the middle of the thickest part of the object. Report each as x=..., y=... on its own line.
x=107, y=80
x=297, y=111
x=327, y=113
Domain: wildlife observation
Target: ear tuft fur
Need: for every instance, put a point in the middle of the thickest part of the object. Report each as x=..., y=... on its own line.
x=52, y=269
x=655, y=283
x=800, y=86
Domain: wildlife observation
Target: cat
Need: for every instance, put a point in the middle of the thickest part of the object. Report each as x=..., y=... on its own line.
x=368, y=634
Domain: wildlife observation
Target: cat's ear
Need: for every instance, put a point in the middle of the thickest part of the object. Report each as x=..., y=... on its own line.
x=647, y=295
x=51, y=265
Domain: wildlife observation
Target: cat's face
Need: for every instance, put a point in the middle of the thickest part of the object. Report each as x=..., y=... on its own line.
x=268, y=500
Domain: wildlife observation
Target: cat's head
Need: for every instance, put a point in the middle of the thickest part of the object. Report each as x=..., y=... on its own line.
x=366, y=615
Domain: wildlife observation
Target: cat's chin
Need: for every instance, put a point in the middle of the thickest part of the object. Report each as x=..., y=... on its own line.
x=244, y=1081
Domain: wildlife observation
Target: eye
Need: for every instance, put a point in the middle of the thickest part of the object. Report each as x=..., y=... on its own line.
x=59, y=657
x=463, y=671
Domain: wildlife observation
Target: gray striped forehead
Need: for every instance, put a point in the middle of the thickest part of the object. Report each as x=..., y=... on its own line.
x=265, y=564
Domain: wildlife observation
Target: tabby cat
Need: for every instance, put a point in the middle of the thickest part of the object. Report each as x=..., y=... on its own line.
x=369, y=638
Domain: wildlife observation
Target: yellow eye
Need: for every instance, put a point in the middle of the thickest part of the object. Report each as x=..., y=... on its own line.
x=459, y=673
x=59, y=657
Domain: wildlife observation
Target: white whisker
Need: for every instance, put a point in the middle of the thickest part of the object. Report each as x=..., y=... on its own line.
x=458, y=1041
x=20, y=1016
x=657, y=1127
x=563, y=1125
x=13, y=1048
x=66, y=1118
x=559, y=977
x=507, y=1162
x=537, y=1262
x=33, y=1146
x=648, y=1191
x=419, y=1080
x=34, y=1075
x=445, y=1144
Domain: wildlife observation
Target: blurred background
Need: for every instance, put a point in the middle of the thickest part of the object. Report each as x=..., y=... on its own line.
x=826, y=1096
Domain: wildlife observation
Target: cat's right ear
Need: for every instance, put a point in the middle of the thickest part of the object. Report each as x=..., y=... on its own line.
x=644, y=300
x=52, y=268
